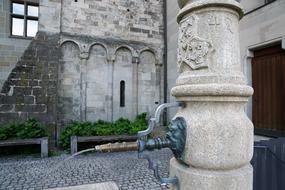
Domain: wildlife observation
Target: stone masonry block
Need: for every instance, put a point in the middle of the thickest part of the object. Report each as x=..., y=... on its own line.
x=41, y=99
x=6, y=108
x=29, y=99
x=6, y=117
x=7, y=99
x=31, y=108
x=18, y=82
x=35, y=82
x=38, y=92
x=19, y=91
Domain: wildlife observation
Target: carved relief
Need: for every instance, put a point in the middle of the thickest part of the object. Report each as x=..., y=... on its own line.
x=229, y=25
x=213, y=21
x=192, y=50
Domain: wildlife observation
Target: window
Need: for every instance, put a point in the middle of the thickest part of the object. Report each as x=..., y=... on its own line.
x=122, y=93
x=24, y=18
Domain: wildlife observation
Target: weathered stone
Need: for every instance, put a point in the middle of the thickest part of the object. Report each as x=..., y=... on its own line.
x=18, y=82
x=25, y=88
x=38, y=108
x=7, y=117
x=6, y=108
x=129, y=172
x=38, y=91
x=201, y=179
x=21, y=91
x=96, y=186
x=29, y=99
x=41, y=99
x=83, y=50
x=219, y=144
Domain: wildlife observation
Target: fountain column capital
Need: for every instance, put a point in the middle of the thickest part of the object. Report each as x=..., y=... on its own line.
x=187, y=6
x=208, y=50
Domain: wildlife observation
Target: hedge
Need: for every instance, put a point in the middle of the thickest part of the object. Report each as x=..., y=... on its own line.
x=22, y=130
x=102, y=128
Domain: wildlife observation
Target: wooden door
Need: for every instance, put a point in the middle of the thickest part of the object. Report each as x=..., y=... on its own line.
x=268, y=80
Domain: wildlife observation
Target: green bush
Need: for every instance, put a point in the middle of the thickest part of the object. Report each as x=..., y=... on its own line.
x=139, y=124
x=22, y=130
x=102, y=128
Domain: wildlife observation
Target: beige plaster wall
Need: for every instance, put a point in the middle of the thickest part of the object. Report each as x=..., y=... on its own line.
x=258, y=29
x=172, y=40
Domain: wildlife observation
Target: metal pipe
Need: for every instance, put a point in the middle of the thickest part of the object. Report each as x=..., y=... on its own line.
x=165, y=84
x=117, y=147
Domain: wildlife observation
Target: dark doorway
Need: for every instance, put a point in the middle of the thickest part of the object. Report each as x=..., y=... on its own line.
x=268, y=80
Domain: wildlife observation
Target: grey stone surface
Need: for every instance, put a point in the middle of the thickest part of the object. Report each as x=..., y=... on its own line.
x=44, y=147
x=99, y=44
x=91, y=72
x=172, y=39
x=219, y=143
x=96, y=186
x=201, y=179
x=30, y=91
x=11, y=49
x=123, y=19
x=125, y=169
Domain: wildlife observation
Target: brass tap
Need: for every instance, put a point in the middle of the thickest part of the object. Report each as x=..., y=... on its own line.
x=117, y=147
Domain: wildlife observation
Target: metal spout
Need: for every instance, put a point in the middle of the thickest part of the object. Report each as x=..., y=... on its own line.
x=117, y=147
x=152, y=144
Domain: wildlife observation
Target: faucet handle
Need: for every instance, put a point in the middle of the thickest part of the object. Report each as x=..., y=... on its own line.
x=170, y=141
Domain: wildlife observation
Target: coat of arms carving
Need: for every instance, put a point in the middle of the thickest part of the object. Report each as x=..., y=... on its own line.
x=193, y=50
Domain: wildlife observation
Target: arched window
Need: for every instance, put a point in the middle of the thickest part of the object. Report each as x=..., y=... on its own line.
x=122, y=93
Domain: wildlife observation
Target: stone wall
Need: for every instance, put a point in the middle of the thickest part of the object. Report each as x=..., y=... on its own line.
x=138, y=20
x=31, y=88
x=58, y=80
x=73, y=68
x=91, y=73
x=172, y=44
x=118, y=33
x=11, y=49
x=99, y=84
x=252, y=4
x=50, y=16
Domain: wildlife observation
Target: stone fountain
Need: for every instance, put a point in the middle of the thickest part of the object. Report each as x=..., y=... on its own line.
x=219, y=142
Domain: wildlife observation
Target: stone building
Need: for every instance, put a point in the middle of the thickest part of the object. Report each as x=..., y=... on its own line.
x=85, y=60
x=262, y=44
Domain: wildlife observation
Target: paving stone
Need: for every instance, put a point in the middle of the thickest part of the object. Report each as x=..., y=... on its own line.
x=125, y=169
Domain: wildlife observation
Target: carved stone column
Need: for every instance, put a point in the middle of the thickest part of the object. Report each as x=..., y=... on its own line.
x=219, y=144
x=135, y=62
x=84, y=55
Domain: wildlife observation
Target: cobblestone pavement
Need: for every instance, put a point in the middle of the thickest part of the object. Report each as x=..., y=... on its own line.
x=129, y=172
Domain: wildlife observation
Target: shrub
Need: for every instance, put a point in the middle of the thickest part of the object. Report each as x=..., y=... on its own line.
x=22, y=130
x=102, y=128
x=122, y=126
x=139, y=124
